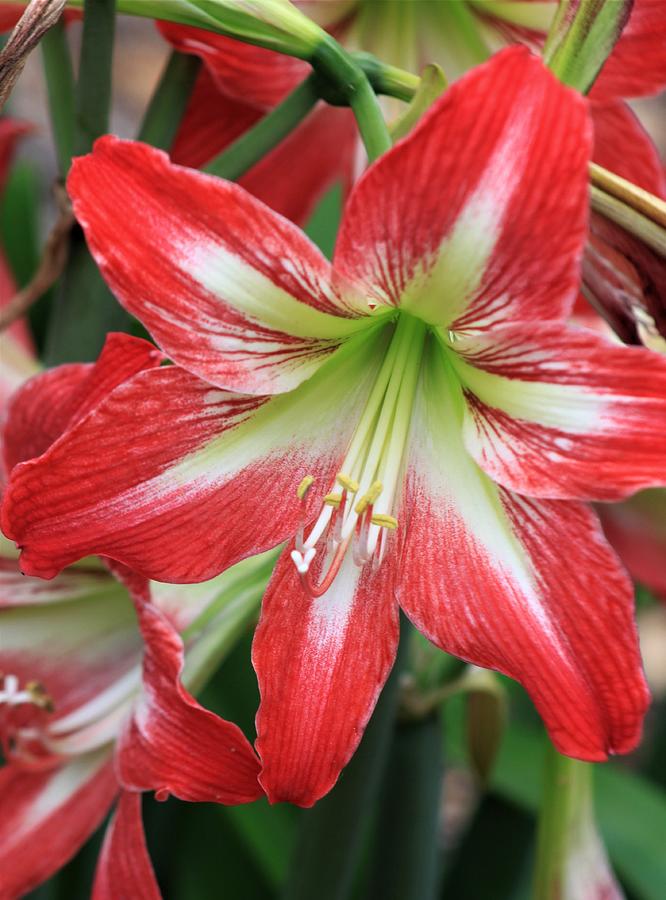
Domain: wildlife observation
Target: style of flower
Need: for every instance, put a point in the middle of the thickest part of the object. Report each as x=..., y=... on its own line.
x=417, y=418
x=80, y=728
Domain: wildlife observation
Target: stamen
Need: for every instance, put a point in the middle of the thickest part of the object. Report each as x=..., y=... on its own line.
x=369, y=497
x=333, y=499
x=347, y=483
x=385, y=521
x=304, y=486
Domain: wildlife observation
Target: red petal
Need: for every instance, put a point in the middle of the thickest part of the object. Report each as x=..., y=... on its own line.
x=563, y=412
x=124, y=868
x=465, y=221
x=53, y=401
x=172, y=745
x=527, y=587
x=637, y=531
x=622, y=145
x=231, y=291
x=251, y=74
x=46, y=816
x=321, y=665
x=211, y=477
x=637, y=65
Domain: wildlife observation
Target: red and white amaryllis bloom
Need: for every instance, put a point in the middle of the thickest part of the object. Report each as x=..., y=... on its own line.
x=417, y=418
x=92, y=708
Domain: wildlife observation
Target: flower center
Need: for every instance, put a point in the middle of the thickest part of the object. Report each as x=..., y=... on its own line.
x=23, y=714
x=357, y=513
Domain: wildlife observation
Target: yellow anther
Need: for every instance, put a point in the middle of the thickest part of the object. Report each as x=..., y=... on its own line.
x=347, y=483
x=384, y=521
x=369, y=497
x=304, y=486
x=333, y=499
x=39, y=696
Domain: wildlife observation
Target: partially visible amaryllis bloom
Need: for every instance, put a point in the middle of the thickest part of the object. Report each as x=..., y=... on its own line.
x=79, y=727
x=417, y=418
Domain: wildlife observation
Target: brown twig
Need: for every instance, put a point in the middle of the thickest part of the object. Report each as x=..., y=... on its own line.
x=38, y=17
x=50, y=268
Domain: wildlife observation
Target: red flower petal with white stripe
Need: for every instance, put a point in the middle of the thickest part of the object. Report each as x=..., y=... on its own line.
x=124, y=868
x=184, y=505
x=46, y=816
x=179, y=250
x=459, y=224
x=527, y=587
x=555, y=411
x=333, y=653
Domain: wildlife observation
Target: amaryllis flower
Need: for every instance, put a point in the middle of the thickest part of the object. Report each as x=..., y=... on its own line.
x=417, y=418
x=79, y=727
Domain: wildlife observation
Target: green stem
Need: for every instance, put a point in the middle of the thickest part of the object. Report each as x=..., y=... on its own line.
x=407, y=851
x=566, y=797
x=93, y=88
x=59, y=76
x=169, y=101
x=333, y=831
x=266, y=134
x=348, y=83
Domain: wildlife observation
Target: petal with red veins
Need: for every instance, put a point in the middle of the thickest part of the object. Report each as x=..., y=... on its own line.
x=86, y=653
x=254, y=75
x=233, y=292
x=555, y=411
x=527, y=587
x=636, y=529
x=172, y=745
x=211, y=478
x=637, y=65
x=46, y=816
x=321, y=664
x=464, y=222
x=53, y=401
x=124, y=868
x=622, y=145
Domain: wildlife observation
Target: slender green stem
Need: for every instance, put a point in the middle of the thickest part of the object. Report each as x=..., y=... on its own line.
x=346, y=81
x=93, y=88
x=169, y=100
x=59, y=75
x=333, y=831
x=567, y=798
x=406, y=862
x=266, y=134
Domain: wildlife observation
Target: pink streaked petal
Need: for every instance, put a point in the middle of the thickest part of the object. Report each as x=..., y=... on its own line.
x=464, y=222
x=241, y=71
x=55, y=400
x=46, y=816
x=527, y=587
x=622, y=145
x=124, y=868
x=184, y=505
x=324, y=146
x=321, y=665
x=172, y=745
x=86, y=652
x=233, y=292
x=637, y=65
x=556, y=411
x=73, y=583
x=637, y=531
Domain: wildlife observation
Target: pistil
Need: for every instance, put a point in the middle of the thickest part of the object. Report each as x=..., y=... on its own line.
x=357, y=511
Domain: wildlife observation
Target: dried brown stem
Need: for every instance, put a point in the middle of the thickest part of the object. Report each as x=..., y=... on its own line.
x=50, y=268
x=38, y=17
